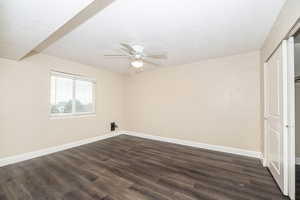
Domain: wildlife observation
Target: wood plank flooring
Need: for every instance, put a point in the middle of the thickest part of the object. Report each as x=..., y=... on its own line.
x=131, y=168
x=297, y=182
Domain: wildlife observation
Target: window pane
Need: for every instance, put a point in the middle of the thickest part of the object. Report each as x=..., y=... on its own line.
x=84, y=96
x=61, y=94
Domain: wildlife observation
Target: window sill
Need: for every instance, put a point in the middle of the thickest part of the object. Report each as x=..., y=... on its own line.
x=71, y=116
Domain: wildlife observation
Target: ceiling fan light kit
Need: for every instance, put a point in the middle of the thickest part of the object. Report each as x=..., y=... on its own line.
x=137, y=63
x=137, y=56
x=138, y=48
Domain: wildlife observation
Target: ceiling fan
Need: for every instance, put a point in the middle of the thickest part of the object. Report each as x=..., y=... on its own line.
x=137, y=56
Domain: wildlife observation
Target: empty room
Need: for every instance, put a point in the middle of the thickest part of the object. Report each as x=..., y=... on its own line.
x=149, y=100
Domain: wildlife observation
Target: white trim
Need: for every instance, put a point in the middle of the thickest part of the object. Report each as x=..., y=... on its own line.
x=263, y=160
x=285, y=113
x=291, y=119
x=43, y=152
x=74, y=78
x=70, y=115
x=224, y=149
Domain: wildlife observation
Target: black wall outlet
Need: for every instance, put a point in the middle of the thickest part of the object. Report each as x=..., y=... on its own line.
x=113, y=126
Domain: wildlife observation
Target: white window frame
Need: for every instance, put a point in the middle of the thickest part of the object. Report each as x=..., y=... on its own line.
x=74, y=78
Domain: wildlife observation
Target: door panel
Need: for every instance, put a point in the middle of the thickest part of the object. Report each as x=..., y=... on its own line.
x=275, y=149
x=275, y=117
x=274, y=70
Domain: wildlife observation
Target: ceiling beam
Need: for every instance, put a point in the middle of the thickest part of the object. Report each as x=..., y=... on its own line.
x=95, y=7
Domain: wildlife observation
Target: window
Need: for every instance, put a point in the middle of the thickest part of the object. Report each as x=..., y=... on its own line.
x=71, y=94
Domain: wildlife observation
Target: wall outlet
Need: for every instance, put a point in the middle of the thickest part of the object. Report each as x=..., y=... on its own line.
x=113, y=126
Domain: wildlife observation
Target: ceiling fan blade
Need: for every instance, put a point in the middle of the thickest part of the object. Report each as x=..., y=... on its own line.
x=127, y=51
x=158, y=56
x=127, y=46
x=116, y=55
x=150, y=62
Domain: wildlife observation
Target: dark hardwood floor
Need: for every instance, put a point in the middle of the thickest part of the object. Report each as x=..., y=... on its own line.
x=297, y=182
x=130, y=168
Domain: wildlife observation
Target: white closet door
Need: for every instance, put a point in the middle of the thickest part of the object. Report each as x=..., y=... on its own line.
x=276, y=88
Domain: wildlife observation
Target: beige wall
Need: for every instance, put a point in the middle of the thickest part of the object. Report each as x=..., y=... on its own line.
x=24, y=105
x=215, y=102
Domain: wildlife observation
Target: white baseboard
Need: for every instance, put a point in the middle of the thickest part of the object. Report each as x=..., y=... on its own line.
x=263, y=161
x=39, y=153
x=297, y=160
x=35, y=154
x=253, y=154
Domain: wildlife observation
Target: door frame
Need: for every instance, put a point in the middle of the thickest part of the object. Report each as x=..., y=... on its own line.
x=291, y=111
x=291, y=117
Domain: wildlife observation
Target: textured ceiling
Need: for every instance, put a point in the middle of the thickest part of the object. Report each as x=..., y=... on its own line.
x=189, y=30
x=26, y=23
